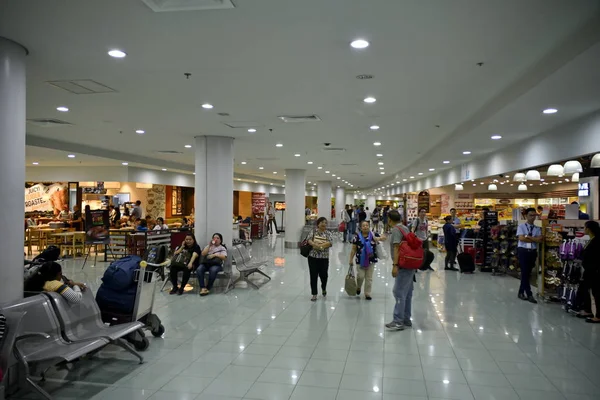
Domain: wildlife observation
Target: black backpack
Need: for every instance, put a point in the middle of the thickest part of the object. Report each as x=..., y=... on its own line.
x=156, y=254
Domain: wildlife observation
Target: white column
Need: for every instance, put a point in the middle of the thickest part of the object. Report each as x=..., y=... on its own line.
x=12, y=165
x=324, y=199
x=340, y=197
x=349, y=198
x=294, y=206
x=370, y=203
x=214, y=188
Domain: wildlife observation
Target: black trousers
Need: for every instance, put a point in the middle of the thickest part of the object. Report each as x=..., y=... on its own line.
x=318, y=268
x=596, y=298
x=450, y=257
x=175, y=269
x=270, y=225
x=527, y=259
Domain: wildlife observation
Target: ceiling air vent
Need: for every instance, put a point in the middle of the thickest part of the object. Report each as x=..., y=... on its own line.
x=299, y=118
x=187, y=5
x=333, y=150
x=169, y=152
x=242, y=124
x=48, y=122
x=348, y=165
x=82, y=86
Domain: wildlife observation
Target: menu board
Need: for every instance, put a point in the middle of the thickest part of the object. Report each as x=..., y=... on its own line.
x=97, y=226
x=259, y=203
x=423, y=201
x=280, y=205
x=40, y=197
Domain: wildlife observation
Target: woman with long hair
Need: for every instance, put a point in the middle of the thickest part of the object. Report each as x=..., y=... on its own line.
x=590, y=285
x=318, y=259
x=213, y=256
x=188, y=262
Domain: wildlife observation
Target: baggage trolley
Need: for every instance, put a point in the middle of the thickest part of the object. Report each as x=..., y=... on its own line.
x=142, y=309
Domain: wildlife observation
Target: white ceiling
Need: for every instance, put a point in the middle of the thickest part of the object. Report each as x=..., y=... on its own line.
x=270, y=57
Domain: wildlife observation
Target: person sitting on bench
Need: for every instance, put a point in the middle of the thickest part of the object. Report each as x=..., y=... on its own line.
x=49, y=278
x=213, y=256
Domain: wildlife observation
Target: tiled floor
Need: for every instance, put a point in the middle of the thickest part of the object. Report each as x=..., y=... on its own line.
x=472, y=339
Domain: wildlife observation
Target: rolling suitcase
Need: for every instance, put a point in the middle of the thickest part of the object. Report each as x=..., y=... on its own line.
x=466, y=263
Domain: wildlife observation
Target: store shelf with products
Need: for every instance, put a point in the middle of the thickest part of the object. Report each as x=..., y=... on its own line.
x=504, y=259
x=561, y=260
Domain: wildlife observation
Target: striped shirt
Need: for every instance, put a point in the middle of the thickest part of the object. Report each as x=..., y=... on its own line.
x=73, y=296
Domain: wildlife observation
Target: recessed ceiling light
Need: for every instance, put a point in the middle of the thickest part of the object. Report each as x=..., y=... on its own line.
x=279, y=145
x=382, y=173
x=446, y=162
x=379, y=163
x=193, y=173
x=261, y=167
x=255, y=181
x=420, y=173
x=251, y=130
x=188, y=146
x=381, y=167
x=319, y=167
x=496, y=137
x=35, y=163
x=370, y=100
x=466, y=153
x=404, y=180
x=377, y=144
x=431, y=169
x=338, y=177
x=379, y=155
x=309, y=182
x=116, y=53
x=125, y=163
x=275, y=172
x=550, y=111
x=309, y=163
x=326, y=172
x=243, y=162
x=164, y=169
x=359, y=44
x=374, y=127
x=412, y=177
x=207, y=106
x=271, y=184
x=297, y=155
x=62, y=109
x=140, y=131
x=71, y=156
x=332, y=174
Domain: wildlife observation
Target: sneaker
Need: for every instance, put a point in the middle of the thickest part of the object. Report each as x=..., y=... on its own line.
x=395, y=326
x=174, y=290
x=522, y=296
x=532, y=299
x=367, y=297
x=407, y=324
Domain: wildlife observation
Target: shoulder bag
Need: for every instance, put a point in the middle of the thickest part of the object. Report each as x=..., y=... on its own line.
x=305, y=248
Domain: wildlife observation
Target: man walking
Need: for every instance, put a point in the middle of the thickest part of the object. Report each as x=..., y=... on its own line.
x=345, y=216
x=530, y=236
x=403, y=286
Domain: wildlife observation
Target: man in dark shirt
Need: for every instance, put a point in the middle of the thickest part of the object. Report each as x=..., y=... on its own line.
x=362, y=215
x=451, y=244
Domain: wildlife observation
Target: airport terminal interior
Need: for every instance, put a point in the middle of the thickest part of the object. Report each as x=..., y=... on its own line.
x=294, y=200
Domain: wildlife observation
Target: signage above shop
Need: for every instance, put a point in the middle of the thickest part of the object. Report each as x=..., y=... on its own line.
x=40, y=197
x=584, y=189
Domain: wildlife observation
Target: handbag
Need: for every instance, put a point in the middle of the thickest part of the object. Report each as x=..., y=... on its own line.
x=305, y=248
x=209, y=262
x=342, y=226
x=350, y=282
x=182, y=259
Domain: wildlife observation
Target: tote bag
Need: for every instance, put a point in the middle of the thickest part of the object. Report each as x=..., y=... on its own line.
x=350, y=283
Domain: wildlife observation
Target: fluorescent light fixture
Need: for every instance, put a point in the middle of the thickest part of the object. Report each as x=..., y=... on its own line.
x=359, y=44
x=431, y=169
x=420, y=173
x=140, y=131
x=188, y=146
x=71, y=156
x=251, y=130
x=275, y=172
x=310, y=163
x=326, y=172
x=382, y=173
x=550, y=111
x=319, y=167
x=446, y=162
x=279, y=145
x=379, y=155
x=374, y=127
x=125, y=163
x=377, y=144
x=164, y=169
x=297, y=155
x=116, y=53
x=35, y=163
x=466, y=152
x=261, y=167
x=243, y=163
x=496, y=137
x=370, y=100
x=62, y=109
x=207, y=106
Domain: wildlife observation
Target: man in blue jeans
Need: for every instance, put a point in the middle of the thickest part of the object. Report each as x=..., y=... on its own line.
x=403, y=287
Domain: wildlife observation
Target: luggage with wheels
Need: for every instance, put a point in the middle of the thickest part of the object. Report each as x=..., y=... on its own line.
x=466, y=263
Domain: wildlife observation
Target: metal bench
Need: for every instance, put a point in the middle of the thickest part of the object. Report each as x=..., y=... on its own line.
x=13, y=321
x=83, y=321
x=246, y=265
x=39, y=342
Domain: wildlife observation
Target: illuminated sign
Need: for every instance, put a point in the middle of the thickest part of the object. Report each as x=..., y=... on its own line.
x=584, y=189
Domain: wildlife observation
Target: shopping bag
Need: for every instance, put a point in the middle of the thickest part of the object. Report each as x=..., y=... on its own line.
x=381, y=252
x=350, y=284
x=342, y=227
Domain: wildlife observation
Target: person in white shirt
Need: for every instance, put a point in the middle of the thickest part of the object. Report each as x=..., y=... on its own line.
x=160, y=225
x=530, y=236
x=345, y=217
x=368, y=214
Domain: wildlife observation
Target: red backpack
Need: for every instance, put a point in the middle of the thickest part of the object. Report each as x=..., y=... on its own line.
x=410, y=251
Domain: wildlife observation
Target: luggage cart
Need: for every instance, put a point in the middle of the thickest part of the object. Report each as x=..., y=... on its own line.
x=142, y=310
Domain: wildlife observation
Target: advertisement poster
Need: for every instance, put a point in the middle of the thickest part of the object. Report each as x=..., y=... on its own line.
x=53, y=197
x=423, y=201
x=279, y=205
x=259, y=203
x=445, y=204
x=97, y=226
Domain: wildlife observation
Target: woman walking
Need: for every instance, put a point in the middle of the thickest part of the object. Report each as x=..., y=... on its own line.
x=318, y=258
x=364, y=244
